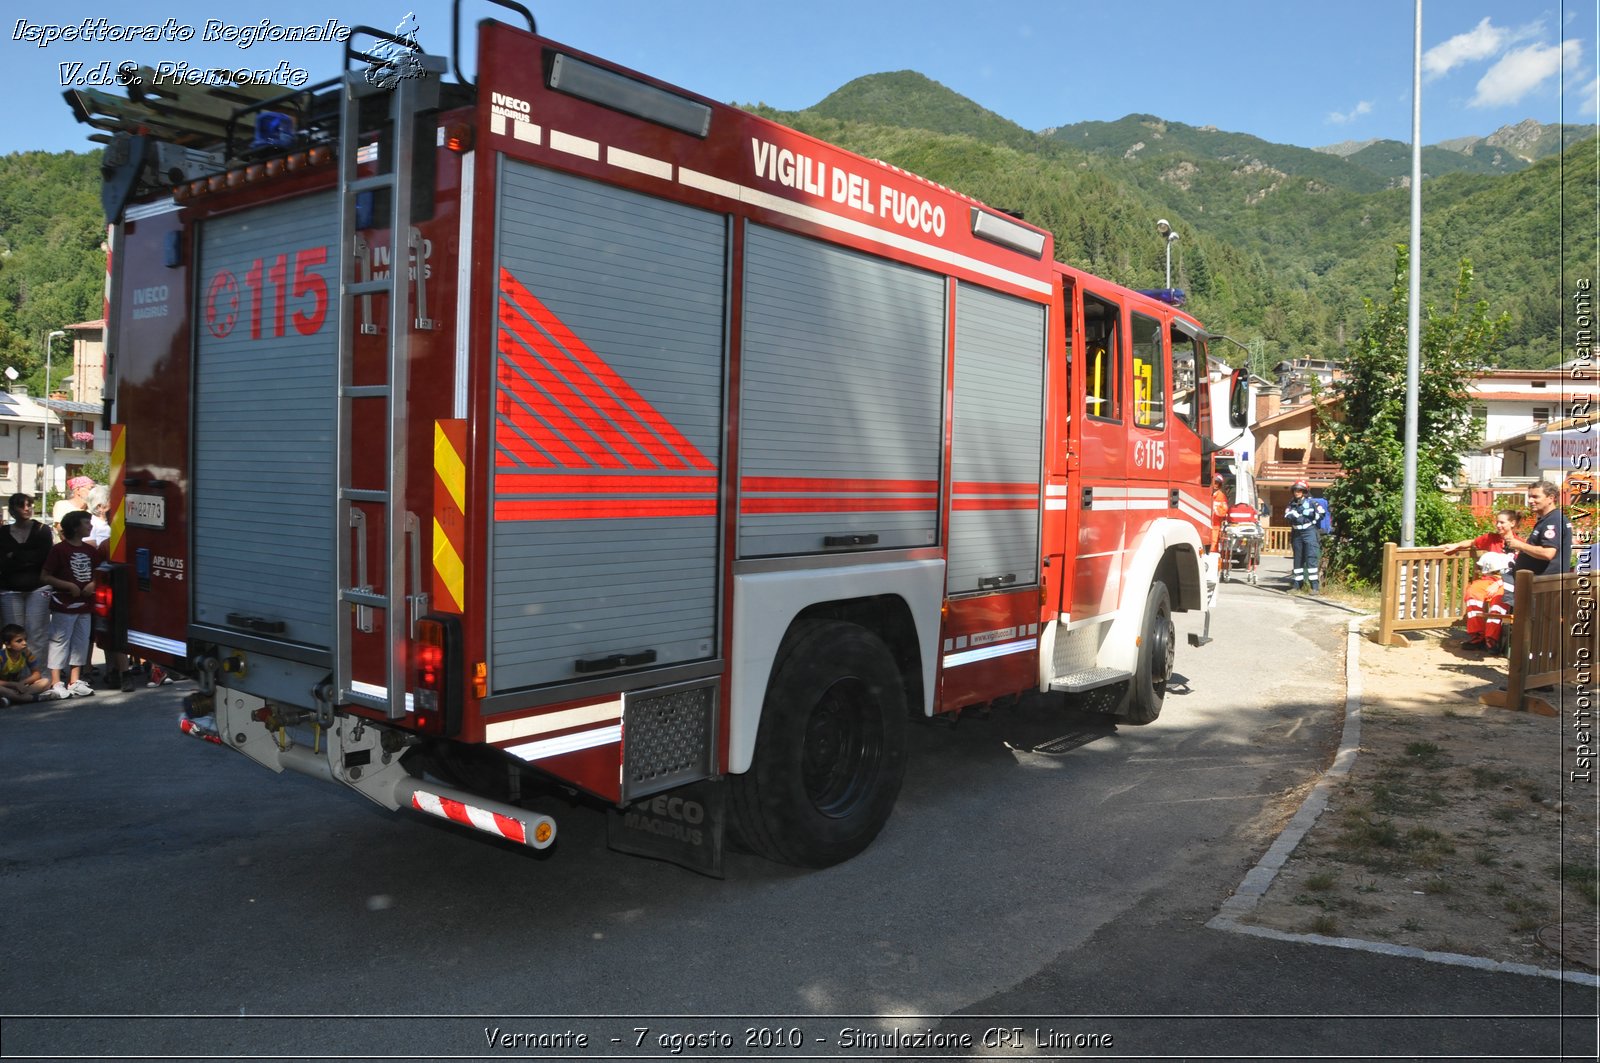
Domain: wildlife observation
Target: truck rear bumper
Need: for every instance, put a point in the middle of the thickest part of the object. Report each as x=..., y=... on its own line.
x=352, y=753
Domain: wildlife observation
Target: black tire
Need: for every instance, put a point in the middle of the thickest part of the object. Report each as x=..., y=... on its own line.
x=1158, y=645
x=830, y=752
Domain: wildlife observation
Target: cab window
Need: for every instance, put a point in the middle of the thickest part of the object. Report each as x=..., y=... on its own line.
x=1188, y=377
x=1149, y=374
x=1102, y=358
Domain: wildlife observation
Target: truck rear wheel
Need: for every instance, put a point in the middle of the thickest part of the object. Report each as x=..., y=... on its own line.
x=831, y=750
x=1158, y=645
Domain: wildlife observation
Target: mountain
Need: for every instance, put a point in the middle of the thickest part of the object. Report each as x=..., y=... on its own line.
x=1346, y=148
x=1392, y=159
x=1506, y=150
x=907, y=98
x=1531, y=141
x=1144, y=136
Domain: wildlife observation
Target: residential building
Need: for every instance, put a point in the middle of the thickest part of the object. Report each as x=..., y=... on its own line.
x=87, y=379
x=1516, y=404
x=25, y=428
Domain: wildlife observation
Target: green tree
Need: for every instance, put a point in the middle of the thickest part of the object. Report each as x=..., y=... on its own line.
x=1367, y=437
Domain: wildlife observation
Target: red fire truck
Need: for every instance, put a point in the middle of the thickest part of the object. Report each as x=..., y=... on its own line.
x=557, y=425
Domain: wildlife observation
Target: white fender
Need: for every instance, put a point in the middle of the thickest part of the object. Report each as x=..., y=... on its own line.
x=765, y=603
x=1120, y=649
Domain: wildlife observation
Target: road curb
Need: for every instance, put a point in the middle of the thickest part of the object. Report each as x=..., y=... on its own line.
x=1259, y=879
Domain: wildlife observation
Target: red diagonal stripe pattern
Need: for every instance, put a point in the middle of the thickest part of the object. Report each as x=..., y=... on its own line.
x=574, y=440
x=631, y=416
x=568, y=411
x=469, y=816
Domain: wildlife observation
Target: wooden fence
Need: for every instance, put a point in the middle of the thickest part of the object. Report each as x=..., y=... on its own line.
x=1277, y=543
x=1423, y=588
x=1554, y=639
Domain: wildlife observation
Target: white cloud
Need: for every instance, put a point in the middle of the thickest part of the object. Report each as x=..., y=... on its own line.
x=1364, y=107
x=1589, y=99
x=1484, y=40
x=1521, y=71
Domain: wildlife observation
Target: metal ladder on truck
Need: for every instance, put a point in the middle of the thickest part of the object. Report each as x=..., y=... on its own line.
x=414, y=89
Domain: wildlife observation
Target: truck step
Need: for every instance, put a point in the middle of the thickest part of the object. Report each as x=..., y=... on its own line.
x=1088, y=679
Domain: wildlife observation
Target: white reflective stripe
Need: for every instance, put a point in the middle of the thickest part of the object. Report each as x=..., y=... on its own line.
x=816, y=216
x=150, y=210
x=464, y=286
x=639, y=163
x=506, y=730
x=706, y=183
x=373, y=691
x=554, y=747
x=580, y=146
x=955, y=660
x=156, y=642
x=1055, y=503
x=1056, y=490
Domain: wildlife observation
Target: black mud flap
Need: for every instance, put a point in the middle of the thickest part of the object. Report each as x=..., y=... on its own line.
x=684, y=826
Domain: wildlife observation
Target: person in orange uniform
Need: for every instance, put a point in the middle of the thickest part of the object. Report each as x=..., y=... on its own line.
x=1219, y=510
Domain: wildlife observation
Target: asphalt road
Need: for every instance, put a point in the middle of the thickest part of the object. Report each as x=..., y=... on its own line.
x=165, y=897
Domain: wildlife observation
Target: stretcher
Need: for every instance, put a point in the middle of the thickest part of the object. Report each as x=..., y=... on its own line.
x=1242, y=536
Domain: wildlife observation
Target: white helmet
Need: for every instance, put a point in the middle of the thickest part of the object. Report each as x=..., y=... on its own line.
x=1494, y=561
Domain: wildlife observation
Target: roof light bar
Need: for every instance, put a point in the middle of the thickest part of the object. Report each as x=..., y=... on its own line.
x=598, y=85
x=1170, y=296
x=1007, y=233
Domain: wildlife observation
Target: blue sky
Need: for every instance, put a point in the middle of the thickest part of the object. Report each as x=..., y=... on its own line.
x=1295, y=72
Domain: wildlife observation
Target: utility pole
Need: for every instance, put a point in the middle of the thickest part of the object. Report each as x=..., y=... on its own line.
x=1408, y=509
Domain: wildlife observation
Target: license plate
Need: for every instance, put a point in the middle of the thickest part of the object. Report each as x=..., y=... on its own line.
x=145, y=511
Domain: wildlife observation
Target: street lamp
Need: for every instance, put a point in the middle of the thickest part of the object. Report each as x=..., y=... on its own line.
x=1164, y=227
x=49, y=349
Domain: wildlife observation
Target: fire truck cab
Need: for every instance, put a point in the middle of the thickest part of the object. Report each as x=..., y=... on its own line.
x=559, y=425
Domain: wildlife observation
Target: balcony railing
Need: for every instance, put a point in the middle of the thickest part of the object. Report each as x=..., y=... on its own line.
x=1287, y=472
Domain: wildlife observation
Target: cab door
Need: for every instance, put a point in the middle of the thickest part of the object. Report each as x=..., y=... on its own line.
x=1099, y=491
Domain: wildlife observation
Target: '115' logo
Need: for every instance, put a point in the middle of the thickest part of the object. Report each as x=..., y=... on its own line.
x=223, y=296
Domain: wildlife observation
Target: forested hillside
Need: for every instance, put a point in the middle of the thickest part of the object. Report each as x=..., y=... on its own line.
x=52, y=268
x=1279, y=244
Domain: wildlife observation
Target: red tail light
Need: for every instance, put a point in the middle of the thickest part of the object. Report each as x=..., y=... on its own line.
x=102, y=600
x=430, y=664
x=436, y=674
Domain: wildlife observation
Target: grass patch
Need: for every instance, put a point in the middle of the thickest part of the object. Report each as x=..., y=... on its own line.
x=1582, y=877
x=1352, y=592
x=1483, y=778
x=1426, y=755
x=1322, y=880
x=1364, y=831
x=1325, y=924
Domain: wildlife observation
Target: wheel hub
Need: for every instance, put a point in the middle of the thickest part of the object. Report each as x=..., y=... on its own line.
x=842, y=749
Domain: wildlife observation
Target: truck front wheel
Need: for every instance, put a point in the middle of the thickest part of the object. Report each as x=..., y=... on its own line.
x=1158, y=642
x=831, y=749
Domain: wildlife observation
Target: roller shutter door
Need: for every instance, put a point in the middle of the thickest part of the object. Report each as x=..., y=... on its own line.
x=995, y=445
x=265, y=361
x=842, y=370
x=608, y=398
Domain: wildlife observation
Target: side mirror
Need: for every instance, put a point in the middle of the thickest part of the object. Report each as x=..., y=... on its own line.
x=1239, y=398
